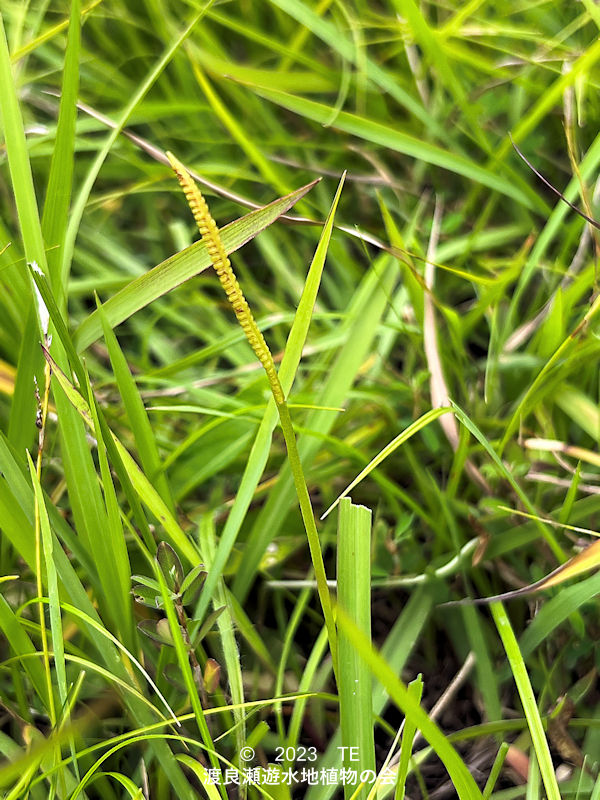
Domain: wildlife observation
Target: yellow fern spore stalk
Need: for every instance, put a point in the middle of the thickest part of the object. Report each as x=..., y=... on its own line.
x=222, y=265
x=220, y=261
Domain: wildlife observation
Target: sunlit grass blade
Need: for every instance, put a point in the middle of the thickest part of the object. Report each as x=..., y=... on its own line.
x=50, y=33
x=58, y=192
x=137, y=415
x=140, y=482
x=323, y=29
x=408, y=734
x=23, y=408
x=547, y=534
x=393, y=139
x=22, y=645
x=47, y=541
x=81, y=199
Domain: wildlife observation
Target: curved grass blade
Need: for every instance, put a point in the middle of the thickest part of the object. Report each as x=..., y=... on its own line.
x=389, y=137
x=416, y=426
x=534, y=722
x=583, y=562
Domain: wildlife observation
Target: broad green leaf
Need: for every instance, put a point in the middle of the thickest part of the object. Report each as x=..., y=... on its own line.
x=170, y=565
x=354, y=597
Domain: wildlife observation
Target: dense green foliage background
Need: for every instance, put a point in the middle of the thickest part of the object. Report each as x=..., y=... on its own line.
x=417, y=101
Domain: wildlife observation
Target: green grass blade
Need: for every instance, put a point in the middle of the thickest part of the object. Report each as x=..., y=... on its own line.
x=116, y=571
x=21, y=425
x=462, y=779
x=53, y=594
x=354, y=678
x=139, y=481
x=398, y=141
x=18, y=160
x=186, y=670
x=225, y=623
x=408, y=734
x=364, y=317
x=58, y=192
x=137, y=415
x=12, y=629
x=321, y=28
x=84, y=192
x=534, y=722
x=544, y=530
x=402, y=437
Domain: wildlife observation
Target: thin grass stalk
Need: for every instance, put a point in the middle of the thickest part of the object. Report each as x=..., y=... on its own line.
x=495, y=770
x=210, y=235
x=41, y=423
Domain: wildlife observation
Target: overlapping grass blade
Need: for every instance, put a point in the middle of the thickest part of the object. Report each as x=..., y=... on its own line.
x=84, y=191
x=462, y=779
x=400, y=142
x=364, y=316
